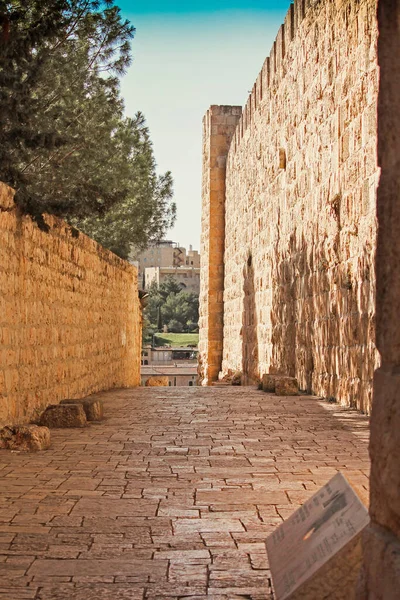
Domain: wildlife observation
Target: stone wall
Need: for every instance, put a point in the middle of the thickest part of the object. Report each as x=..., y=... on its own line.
x=382, y=538
x=70, y=320
x=219, y=125
x=300, y=223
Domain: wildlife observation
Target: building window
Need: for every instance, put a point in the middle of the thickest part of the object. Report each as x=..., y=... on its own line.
x=190, y=382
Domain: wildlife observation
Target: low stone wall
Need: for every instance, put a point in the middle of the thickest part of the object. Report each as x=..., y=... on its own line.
x=70, y=321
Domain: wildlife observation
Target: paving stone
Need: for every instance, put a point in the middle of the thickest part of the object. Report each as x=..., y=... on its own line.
x=108, y=508
x=205, y=525
x=201, y=520
x=89, y=592
x=227, y=496
x=112, y=567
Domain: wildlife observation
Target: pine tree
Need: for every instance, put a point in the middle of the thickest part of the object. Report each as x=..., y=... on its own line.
x=65, y=145
x=145, y=213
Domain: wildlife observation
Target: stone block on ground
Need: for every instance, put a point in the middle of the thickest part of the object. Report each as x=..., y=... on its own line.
x=282, y=385
x=286, y=386
x=25, y=437
x=316, y=553
x=236, y=378
x=268, y=382
x=159, y=380
x=63, y=415
x=93, y=407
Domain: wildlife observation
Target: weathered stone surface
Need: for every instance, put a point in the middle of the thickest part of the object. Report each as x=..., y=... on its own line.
x=222, y=121
x=82, y=333
x=268, y=382
x=25, y=437
x=160, y=380
x=286, y=386
x=296, y=218
x=63, y=415
x=381, y=577
x=281, y=384
x=93, y=407
x=236, y=379
x=385, y=449
x=381, y=541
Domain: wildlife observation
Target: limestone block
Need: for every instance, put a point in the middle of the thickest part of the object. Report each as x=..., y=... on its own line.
x=160, y=380
x=93, y=407
x=316, y=553
x=280, y=384
x=25, y=437
x=64, y=415
x=384, y=449
x=268, y=382
x=236, y=378
x=381, y=564
x=286, y=386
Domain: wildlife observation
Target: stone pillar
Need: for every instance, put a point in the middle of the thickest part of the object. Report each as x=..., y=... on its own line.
x=382, y=538
x=219, y=125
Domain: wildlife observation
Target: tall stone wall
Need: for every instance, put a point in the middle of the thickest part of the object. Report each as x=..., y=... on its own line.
x=70, y=320
x=219, y=125
x=382, y=537
x=300, y=219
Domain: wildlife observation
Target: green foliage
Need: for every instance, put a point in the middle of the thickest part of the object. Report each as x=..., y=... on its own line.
x=169, y=305
x=145, y=213
x=181, y=308
x=65, y=145
x=175, y=326
x=176, y=339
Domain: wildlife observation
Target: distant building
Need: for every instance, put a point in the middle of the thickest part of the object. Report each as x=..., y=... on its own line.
x=168, y=356
x=179, y=375
x=179, y=364
x=187, y=277
x=166, y=254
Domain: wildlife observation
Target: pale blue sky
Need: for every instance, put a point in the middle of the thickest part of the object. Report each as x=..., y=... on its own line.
x=183, y=63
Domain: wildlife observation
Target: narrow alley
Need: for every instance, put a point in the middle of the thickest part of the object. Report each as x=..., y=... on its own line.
x=171, y=496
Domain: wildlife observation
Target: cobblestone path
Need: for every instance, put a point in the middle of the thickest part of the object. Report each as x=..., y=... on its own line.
x=172, y=496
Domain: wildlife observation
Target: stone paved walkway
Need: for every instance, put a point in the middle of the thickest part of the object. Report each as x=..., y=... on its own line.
x=172, y=496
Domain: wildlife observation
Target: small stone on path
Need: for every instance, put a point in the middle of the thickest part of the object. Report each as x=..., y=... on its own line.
x=93, y=407
x=161, y=381
x=25, y=437
x=63, y=415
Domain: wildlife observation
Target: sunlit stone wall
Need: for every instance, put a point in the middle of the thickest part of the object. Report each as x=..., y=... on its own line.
x=300, y=204
x=70, y=321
